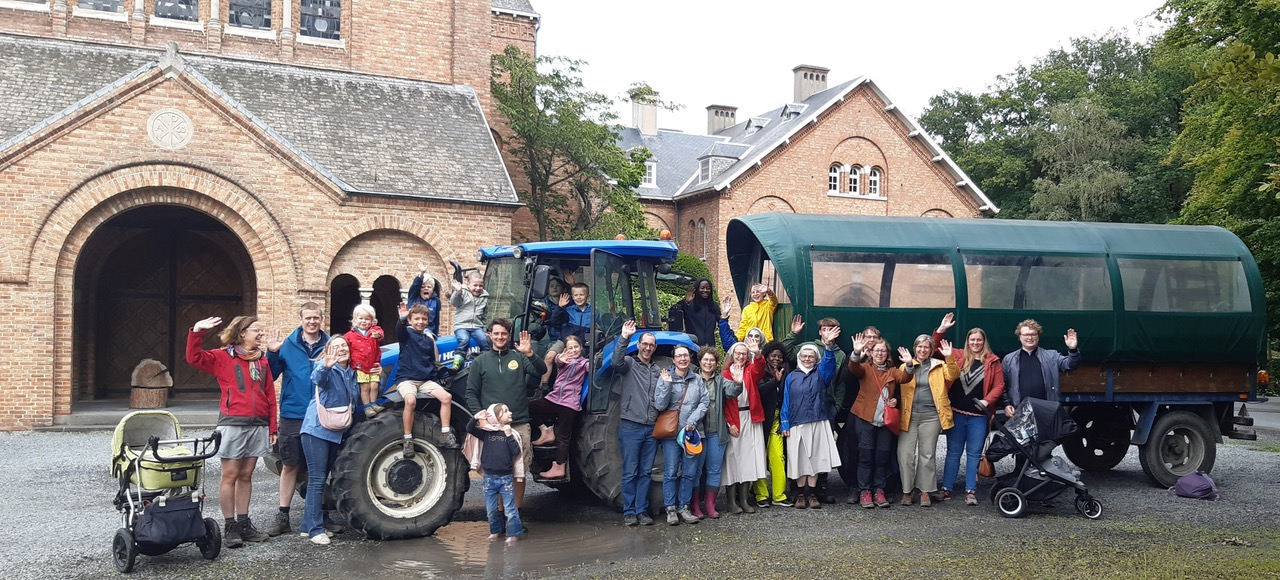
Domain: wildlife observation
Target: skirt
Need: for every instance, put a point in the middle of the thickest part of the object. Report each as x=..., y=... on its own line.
x=811, y=450
x=744, y=458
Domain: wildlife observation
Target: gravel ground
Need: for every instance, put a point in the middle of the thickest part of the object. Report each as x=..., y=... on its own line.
x=57, y=504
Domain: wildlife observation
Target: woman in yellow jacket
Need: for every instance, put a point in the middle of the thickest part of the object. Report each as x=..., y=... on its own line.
x=926, y=412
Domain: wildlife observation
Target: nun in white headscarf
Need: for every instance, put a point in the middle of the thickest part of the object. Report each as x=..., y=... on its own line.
x=806, y=415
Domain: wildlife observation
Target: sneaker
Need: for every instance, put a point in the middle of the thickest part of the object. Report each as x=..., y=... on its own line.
x=630, y=520
x=864, y=499
x=880, y=499
x=251, y=534
x=764, y=503
x=941, y=495
x=672, y=518
x=326, y=532
x=407, y=448
x=377, y=409
x=320, y=539
x=231, y=535
x=644, y=520
x=333, y=528
x=782, y=502
x=687, y=517
x=280, y=525
x=970, y=498
x=925, y=500
x=457, y=362
x=906, y=499
x=450, y=440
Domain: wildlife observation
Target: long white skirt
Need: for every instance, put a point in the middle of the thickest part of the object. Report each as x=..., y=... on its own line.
x=811, y=450
x=744, y=458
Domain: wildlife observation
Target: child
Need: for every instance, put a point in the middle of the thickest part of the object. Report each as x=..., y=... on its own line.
x=365, y=338
x=415, y=369
x=470, y=303
x=564, y=402
x=425, y=290
x=494, y=448
x=569, y=320
x=759, y=314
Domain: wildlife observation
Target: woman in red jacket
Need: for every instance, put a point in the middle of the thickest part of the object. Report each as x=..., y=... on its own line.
x=972, y=398
x=744, y=456
x=246, y=414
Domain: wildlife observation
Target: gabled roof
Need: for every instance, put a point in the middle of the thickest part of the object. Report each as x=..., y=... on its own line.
x=367, y=134
x=676, y=153
x=785, y=121
x=517, y=7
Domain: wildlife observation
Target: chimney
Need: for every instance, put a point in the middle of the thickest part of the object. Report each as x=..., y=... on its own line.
x=644, y=111
x=809, y=80
x=720, y=117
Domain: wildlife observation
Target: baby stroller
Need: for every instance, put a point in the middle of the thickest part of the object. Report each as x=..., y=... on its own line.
x=161, y=488
x=1036, y=428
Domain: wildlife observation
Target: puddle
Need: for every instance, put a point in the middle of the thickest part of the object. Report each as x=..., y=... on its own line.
x=463, y=549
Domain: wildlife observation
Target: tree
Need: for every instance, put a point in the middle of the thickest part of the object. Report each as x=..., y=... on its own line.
x=579, y=180
x=1078, y=150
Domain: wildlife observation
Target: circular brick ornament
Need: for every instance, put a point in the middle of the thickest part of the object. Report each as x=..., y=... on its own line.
x=170, y=129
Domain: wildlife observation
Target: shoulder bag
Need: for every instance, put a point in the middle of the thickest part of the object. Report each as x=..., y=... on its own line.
x=892, y=417
x=668, y=422
x=333, y=419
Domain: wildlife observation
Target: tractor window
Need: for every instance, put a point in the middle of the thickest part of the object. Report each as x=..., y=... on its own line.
x=612, y=300
x=880, y=280
x=1184, y=286
x=504, y=281
x=1037, y=282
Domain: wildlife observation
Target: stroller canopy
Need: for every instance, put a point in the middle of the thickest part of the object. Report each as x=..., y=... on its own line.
x=1051, y=420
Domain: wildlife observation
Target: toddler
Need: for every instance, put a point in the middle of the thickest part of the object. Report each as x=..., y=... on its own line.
x=494, y=448
x=365, y=339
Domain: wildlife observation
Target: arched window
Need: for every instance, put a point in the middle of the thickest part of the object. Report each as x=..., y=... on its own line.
x=873, y=182
x=693, y=233
x=833, y=178
x=855, y=180
x=702, y=235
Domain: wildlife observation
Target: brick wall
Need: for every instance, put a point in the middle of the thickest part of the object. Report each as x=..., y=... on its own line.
x=293, y=224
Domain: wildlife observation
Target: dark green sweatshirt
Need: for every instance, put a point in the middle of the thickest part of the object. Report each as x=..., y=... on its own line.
x=501, y=377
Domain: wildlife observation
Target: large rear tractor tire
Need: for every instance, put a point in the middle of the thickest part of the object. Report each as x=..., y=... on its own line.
x=598, y=454
x=1180, y=443
x=388, y=497
x=1104, y=437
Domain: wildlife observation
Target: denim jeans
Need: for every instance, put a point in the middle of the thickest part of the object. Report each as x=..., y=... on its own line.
x=711, y=460
x=967, y=437
x=465, y=335
x=320, y=456
x=680, y=473
x=502, y=488
x=875, y=448
x=638, y=449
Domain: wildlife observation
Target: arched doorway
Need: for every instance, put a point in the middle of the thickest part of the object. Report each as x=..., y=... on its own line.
x=386, y=302
x=142, y=279
x=344, y=295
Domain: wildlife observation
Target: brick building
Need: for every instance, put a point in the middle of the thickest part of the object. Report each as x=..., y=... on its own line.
x=846, y=149
x=166, y=160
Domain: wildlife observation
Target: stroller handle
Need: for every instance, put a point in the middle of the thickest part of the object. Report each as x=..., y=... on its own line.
x=155, y=442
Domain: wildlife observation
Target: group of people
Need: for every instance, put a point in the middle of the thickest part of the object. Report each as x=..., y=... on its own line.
x=767, y=417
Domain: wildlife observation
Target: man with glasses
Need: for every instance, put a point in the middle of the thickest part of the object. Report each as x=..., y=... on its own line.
x=291, y=359
x=639, y=377
x=1032, y=371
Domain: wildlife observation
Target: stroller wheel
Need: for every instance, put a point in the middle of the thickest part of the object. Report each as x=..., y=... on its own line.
x=211, y=545
x=1089, y=507
x=1010, y=502
x=124, y=551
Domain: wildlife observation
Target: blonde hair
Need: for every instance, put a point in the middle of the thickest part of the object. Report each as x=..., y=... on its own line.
x=968, y=357
x=364, y=309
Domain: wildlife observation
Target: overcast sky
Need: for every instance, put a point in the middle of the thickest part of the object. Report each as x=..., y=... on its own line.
x=740, y=53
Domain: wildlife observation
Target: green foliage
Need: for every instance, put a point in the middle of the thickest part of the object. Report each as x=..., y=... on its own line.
x=1021, y=144
x=581, y=184
x=1231, y=128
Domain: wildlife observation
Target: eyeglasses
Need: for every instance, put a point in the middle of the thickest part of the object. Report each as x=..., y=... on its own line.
x=648, y=344
x=1030, y=335
x=682, y=355
x=253, y=329
x=880, y=350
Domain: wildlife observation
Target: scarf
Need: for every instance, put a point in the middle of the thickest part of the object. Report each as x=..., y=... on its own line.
x=801, y=366
x=254, y=359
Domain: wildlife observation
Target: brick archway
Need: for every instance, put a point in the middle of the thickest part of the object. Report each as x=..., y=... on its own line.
x=349, y=232
x=68, y=226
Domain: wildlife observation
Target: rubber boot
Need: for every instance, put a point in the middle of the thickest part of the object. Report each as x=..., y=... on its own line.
x=734, y=506
x=695, y=505
x=710, y=498
x=748, y=498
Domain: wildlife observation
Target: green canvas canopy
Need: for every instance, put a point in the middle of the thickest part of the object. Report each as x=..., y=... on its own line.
x=1134, y=292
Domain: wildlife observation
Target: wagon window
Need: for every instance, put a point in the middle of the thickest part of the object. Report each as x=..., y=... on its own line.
x=872, y=280
x=1184, y=286
x=1037, y=282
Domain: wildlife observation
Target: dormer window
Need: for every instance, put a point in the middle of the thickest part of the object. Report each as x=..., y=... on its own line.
x=792, y=110
x=704, y=170
x=650, y=178
x=756, y=124
x=250, y=14
x=321, y=19
x=185, y=10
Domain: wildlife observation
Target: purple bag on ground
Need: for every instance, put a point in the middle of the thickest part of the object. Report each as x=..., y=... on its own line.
x=1196, y=485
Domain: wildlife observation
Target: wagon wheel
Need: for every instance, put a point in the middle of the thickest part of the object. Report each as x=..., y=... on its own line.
x=1104, y=438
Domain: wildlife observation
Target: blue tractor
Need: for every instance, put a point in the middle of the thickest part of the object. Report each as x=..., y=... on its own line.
x=389, y=497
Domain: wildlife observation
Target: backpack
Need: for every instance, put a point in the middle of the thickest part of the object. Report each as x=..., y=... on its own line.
x=1196, y=485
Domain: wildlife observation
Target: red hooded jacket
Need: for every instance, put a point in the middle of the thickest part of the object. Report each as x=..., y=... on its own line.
x=750, y=378
x=366, y=352
x=252, y=404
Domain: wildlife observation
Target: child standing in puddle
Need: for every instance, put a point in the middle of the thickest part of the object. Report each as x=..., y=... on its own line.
x=496, y=445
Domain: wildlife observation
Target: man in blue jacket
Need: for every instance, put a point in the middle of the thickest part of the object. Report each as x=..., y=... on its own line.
x=290, y=359
x=1032, y=371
